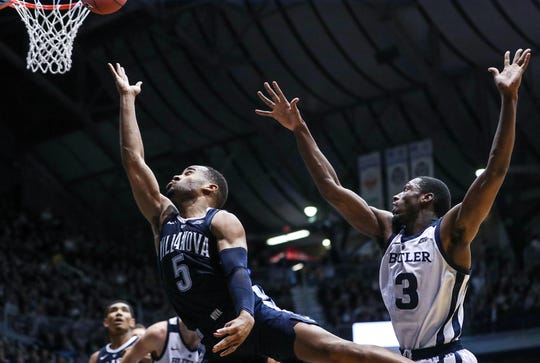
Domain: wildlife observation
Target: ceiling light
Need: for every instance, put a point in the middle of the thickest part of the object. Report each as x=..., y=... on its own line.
x=479, y=172
x=310, y=211
x=326, y=243
x=272, y=241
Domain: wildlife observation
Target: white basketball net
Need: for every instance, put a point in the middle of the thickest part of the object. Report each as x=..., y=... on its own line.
x=52, y=30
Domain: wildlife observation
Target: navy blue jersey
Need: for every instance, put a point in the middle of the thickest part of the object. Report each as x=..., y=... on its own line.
x=109, y=355
x=196, y=286
x=192, y=275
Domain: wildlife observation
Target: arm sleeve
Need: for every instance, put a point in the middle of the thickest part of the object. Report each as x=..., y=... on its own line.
x=234, y=262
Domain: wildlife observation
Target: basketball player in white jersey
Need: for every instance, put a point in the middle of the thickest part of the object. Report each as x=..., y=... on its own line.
x=119, y=322
x=168, y=341
x=427, y=260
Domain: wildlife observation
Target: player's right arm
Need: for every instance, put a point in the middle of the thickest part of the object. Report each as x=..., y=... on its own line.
x=150, y=344
x=368, y=220
x=144, y=185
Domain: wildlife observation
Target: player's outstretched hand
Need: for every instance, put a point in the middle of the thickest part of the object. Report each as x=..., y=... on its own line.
x=285, y=112
x=122, y=81
x=509, y=79
x=235, y=332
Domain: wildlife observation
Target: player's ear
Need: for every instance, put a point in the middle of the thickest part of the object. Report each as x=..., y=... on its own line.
x=132, y=323
x=210, y=188
x=105, y=323
x=427, y=197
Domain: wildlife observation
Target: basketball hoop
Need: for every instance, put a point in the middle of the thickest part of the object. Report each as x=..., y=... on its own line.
x=52, y=28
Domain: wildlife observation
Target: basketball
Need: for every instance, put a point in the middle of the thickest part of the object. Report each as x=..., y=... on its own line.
x=103, y=7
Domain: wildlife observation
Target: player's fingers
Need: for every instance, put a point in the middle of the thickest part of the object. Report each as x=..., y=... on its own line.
x=294, y=103
x=526, y=61
x=263, y=113
x=517, y=56
x=280, y=94
x=271, y=92
x=526, y=53
x=226, y=330
x=111, y=69
x=265, y=99
x=224, y=343
x=493, y=71
x=228, y=351
x=507, y=58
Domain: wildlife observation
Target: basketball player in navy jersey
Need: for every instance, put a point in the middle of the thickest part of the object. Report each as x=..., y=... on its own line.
x=202, y=256
x=167, y=341
x=120, y=323
x=425, y=268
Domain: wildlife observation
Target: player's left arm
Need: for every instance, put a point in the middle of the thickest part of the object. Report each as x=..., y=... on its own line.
x=460, y=225
x=232, y=246
x=152, y=342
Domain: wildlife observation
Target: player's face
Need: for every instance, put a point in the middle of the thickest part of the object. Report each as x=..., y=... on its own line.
x=405, y=204
x=119, y=318
x=189, y=181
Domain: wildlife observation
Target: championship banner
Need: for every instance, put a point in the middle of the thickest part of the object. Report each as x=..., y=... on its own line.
x=421, y=158
x=370, y=177
x=397, y=172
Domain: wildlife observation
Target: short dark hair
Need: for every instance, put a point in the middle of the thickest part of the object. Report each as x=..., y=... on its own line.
x=217, y=178
x=441, y=194
x=112, y=302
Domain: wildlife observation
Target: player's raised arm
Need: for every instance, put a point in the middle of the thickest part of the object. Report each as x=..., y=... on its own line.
x=461, y=223
x=368, y=220
x=232, y=247
x=142, y=180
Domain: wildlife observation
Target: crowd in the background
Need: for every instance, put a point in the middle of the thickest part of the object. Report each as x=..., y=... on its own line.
x=56, y=278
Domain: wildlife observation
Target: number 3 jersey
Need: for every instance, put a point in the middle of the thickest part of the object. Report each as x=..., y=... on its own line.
x=422, y=289
x=191, y=272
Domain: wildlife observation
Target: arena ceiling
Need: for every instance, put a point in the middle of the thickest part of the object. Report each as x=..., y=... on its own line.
x=370, y=75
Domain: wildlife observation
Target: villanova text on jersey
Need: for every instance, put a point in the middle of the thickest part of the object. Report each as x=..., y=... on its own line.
x=187, y=241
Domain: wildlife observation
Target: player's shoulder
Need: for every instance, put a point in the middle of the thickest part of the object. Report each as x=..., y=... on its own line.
x=157, y=329
x=94, y=357
x=226, y=223
x=224, y=216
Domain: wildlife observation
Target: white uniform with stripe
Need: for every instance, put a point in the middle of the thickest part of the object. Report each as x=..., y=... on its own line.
x=423, y=292
x=175, y=350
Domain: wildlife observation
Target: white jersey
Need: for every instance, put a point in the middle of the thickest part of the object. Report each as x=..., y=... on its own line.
x=423, y=291
x=175, y=350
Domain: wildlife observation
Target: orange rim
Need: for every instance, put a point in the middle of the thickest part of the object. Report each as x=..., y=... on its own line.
x=46, y=6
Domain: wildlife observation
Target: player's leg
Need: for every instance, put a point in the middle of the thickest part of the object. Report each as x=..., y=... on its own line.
x=314, y=344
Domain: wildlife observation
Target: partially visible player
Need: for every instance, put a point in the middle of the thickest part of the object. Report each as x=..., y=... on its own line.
x=167, y=341
x=119, y=322
x=139, y=330
x=202, y=256
x=426, y=265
